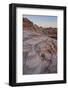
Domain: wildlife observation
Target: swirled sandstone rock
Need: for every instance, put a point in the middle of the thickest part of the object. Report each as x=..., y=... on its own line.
x=39, y=53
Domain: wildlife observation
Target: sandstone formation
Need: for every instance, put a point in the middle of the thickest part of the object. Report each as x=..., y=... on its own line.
x=28, y=25
x=51, y=32
x=39, y=49
x=40, y=54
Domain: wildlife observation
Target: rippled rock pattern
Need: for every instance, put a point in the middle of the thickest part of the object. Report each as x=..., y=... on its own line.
x=39, y=53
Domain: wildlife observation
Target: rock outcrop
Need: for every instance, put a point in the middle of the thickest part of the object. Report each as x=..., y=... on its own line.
x=29, y=25
x=39, y=49
x=40, y=54
x=51, y=32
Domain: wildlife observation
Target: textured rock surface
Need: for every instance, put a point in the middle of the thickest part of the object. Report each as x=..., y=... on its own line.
x=40, y=54
x=51, y=32
x=27, y=24
x=39, y=49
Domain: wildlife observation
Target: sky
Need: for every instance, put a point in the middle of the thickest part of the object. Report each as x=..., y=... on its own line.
x=44, y=21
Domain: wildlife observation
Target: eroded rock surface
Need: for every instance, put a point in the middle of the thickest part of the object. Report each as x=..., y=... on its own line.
x=40, y=53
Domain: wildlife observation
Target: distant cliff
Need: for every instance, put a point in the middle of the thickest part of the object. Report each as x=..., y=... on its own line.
x=51, y=32
x=29, y=25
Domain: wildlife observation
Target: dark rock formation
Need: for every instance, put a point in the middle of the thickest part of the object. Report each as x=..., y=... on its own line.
x=27, y=24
